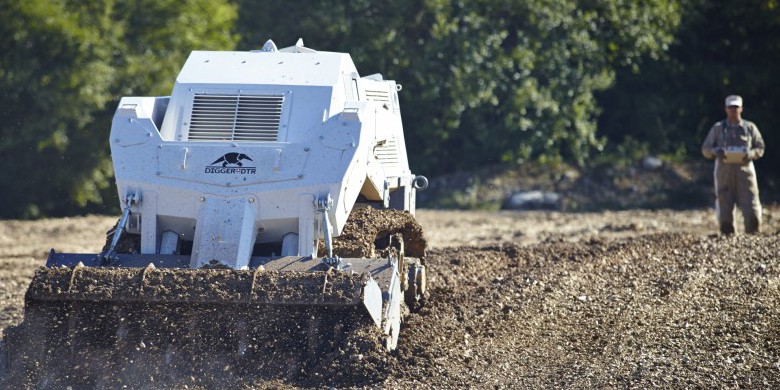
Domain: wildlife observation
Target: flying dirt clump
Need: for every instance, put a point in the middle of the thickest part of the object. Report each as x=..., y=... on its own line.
x=366, y=224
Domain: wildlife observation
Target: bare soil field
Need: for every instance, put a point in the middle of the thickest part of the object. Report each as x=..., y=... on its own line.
x=537, y=299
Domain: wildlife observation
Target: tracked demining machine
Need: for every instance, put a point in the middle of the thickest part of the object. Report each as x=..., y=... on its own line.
x=267, y=207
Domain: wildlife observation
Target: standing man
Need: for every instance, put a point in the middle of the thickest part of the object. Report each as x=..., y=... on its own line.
x=734, y=143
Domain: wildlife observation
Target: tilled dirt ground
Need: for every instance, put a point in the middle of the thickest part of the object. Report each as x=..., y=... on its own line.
x=541, y=299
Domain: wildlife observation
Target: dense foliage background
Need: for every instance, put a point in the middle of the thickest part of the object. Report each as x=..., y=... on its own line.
x=485, y=81
x=720, y=49
x=64, y=65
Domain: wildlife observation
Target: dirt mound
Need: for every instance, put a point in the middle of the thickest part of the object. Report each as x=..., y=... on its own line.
x=367, y=224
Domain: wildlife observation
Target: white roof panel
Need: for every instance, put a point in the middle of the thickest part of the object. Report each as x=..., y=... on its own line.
x=235, y=67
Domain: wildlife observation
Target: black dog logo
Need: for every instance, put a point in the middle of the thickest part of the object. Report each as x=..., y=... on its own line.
x=233, y=159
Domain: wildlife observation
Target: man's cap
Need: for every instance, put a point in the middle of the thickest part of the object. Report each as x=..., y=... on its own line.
x=733, y=100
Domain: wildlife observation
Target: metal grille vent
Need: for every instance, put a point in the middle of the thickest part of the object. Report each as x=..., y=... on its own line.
x=387, y=152
x=377, y=95
x=225, y=117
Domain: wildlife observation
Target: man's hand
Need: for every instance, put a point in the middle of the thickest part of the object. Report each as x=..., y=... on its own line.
x=721, y=154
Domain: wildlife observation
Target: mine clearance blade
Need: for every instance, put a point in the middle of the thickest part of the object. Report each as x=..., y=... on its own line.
x=290, y=308
x=284, y=281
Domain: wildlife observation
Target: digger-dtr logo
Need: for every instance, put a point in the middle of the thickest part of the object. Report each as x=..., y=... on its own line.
x=231, y=163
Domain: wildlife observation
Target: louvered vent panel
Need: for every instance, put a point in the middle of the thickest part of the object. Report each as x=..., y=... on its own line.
x=387, y=153
x=377, y=95
x=235, y=117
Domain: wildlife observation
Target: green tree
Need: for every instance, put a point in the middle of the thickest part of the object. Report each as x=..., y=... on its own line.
x=721, y=49
x=486, y=80
x=63, y=68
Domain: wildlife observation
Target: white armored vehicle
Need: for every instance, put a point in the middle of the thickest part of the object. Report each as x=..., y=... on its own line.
x=234, y=191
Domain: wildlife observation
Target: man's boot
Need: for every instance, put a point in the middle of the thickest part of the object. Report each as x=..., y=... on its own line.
x=727, y=228
x=752, y=225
